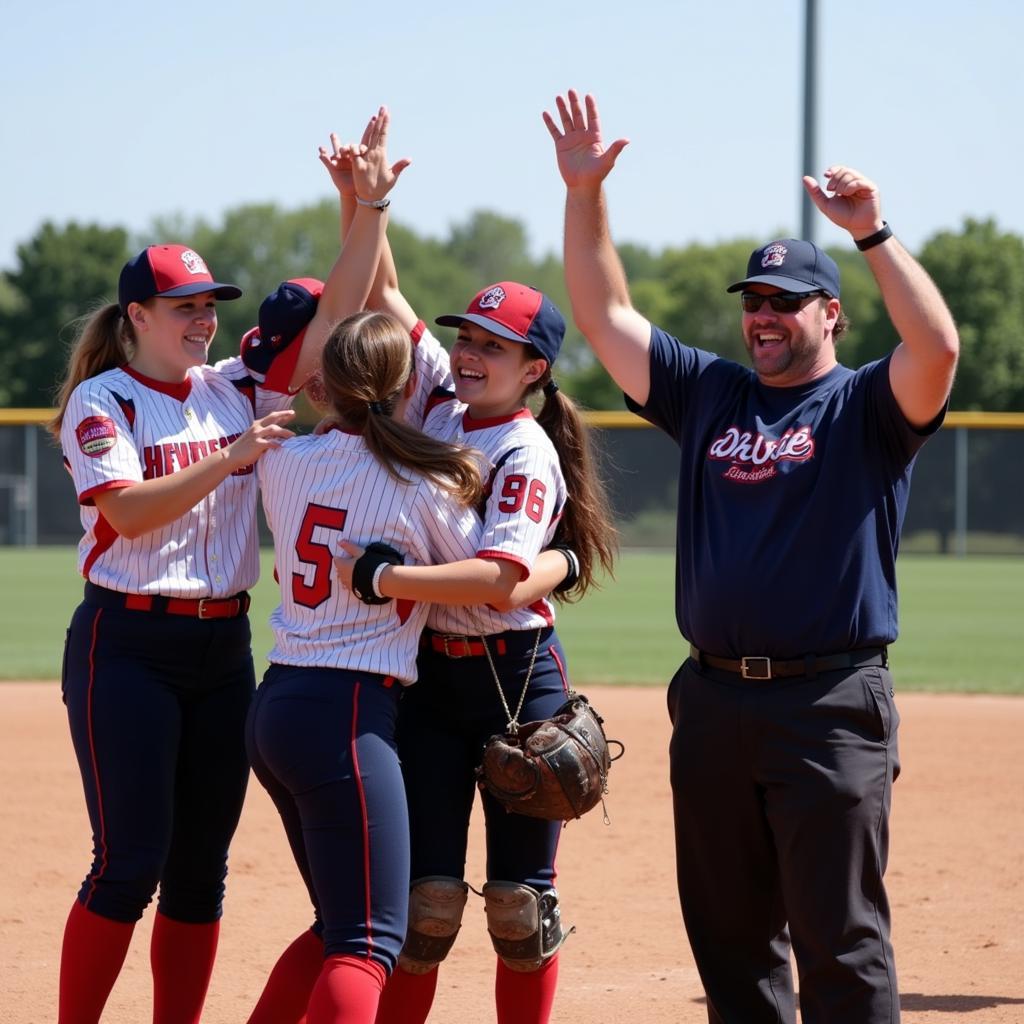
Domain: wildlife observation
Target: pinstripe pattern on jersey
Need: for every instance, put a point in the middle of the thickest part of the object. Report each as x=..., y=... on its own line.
x=212, y=550
x=433, y=374
x=511, y=535
x=527, y=495
x=319, y=623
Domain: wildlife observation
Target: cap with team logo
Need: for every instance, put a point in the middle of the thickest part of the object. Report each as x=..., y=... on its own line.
x=168, y=271
x=793, y=265
x=516, y=312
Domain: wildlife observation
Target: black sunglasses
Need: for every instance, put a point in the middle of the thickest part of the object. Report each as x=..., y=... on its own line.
x=781, y=302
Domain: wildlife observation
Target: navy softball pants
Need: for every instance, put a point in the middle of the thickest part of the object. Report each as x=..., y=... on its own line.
x=322, y=743
x=444, y=721
x=157, y=705
x=781, y=792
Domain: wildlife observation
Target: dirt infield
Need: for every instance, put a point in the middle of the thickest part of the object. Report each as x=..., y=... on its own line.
x=956, y=878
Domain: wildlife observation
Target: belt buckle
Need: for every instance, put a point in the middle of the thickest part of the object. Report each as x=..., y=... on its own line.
x=464, y=640
x=202, y=608
x=756, y=668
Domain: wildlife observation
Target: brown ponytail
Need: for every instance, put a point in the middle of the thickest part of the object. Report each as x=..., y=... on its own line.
x=105, y=340
x=587, y=525
x=366, y=364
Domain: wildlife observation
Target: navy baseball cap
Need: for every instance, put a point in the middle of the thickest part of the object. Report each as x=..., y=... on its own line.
x=283, y=318
x=288, y=310
x=516, y=312
x=794, y=266
x=168, y=271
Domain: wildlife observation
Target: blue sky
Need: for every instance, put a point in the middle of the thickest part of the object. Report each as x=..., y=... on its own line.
x=115, y=114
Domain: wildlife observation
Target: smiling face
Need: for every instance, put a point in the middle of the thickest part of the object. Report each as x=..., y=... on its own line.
x=173, y=334
x=788, y=349
x=491, y=373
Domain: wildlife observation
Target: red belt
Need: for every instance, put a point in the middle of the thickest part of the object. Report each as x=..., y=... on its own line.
x=463, y=646
x=193, y=607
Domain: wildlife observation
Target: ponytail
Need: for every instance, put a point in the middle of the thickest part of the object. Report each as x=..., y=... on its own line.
x=366, y=364
x=104, y=341
x=587, y=525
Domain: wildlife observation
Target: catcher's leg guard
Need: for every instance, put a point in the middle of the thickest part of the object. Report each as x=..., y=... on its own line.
x=436, y=903
x=525, y=925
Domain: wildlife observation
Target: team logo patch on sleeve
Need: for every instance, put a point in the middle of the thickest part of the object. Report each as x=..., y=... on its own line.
x=96, y=435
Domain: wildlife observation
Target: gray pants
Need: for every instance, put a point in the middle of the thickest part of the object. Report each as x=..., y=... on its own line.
x=781, y=796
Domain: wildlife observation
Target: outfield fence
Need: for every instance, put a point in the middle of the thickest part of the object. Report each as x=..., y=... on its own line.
x=965, y=497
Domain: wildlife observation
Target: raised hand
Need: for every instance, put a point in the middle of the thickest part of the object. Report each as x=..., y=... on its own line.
x=583, y=159
x=374, y=177
x=853, y=204
x=338, y=161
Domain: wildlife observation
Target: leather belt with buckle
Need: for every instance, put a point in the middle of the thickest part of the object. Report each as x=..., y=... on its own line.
x=760, y=667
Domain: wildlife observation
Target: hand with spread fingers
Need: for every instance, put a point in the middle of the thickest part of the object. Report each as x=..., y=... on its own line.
x=583, y=158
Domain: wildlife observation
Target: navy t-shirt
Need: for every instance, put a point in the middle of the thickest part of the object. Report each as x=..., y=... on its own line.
x=791, y=502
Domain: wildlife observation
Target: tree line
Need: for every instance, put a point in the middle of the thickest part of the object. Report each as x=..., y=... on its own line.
x=64, y=271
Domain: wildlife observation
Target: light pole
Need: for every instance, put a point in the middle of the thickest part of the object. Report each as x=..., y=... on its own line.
x=807, y=218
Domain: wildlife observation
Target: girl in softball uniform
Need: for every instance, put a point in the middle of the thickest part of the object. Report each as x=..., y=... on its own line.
x=158, y=671
x=481, y=660
x=321, y=730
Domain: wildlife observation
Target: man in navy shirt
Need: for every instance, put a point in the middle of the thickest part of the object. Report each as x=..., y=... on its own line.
x=793, y=485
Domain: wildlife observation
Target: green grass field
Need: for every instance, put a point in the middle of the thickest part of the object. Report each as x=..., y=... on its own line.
x=961, y=620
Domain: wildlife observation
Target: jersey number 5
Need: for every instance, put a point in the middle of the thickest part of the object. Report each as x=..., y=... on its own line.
x=518, y=493
x=317, y=554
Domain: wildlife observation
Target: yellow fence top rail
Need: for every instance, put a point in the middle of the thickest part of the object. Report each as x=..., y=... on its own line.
x=980, y=420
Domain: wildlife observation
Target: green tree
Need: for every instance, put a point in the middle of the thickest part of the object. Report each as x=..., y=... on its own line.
x=62, y=273
x=256, y=246
x=980, y=272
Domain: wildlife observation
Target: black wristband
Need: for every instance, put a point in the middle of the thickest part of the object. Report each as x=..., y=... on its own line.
x=876, y=239
x=367, y=564
x=572, y=577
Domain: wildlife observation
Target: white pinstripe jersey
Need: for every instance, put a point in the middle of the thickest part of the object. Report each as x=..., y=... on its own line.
x=319, y=489
x=121, y=428
x=526, y=490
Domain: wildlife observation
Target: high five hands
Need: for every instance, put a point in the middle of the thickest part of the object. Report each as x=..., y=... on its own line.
x=362, y=169
x=583, y=159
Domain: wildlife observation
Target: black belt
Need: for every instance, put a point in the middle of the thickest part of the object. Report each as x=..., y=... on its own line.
x=770, y=668
x=192, y=607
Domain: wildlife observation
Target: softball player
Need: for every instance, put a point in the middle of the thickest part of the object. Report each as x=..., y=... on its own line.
x=158, y=670
x=321, y=730
x=483, y=661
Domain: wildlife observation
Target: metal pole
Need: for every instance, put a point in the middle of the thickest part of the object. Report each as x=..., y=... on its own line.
x=960, y=490
x=32, y=483
x=808, y=212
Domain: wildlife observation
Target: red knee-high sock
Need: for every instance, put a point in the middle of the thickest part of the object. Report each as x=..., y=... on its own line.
x=347, y=991
x=525, y=997
x=407, y=998
x=90, y=961
x=286, y=994
x=181, y=956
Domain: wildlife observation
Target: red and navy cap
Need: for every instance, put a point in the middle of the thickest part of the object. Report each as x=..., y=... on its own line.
x=288, y=310
x=168, y=271
x=272, y=348
x=516, y=312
